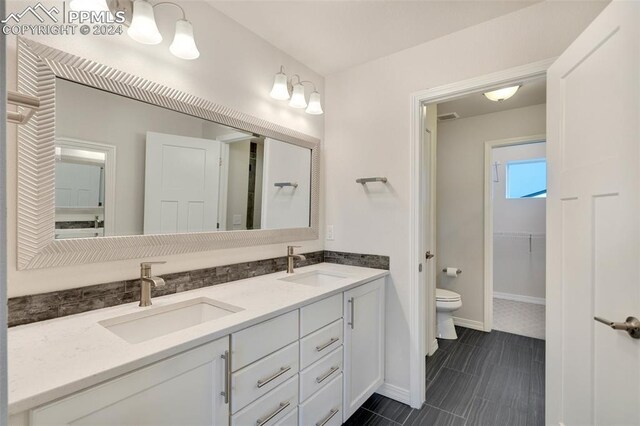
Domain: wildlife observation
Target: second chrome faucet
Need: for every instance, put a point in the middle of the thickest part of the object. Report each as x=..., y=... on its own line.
x=291, y=257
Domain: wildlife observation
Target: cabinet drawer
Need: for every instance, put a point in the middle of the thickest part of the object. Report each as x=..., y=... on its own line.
x=315, y=316
x=317, y=375
x=325, y=407
x=318, y=344
x=257, y=379
x=256, y=342
x=290, y=419
x=271, y=408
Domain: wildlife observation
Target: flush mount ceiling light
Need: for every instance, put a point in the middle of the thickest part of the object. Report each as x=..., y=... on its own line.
x=284, y=89
x=501, y=94
x=143, y=28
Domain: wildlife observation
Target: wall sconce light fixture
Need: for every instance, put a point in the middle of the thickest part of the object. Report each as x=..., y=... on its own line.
x=284, y=88
x=141, y=19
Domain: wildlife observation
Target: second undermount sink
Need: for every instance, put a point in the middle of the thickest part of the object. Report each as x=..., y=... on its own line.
x=315, y=278
x=155, y=322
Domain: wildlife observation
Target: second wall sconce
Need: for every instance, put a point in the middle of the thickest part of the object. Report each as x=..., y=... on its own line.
x=285, y=88
x=142, y=23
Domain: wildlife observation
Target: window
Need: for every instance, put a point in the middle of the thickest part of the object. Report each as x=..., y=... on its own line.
x=527, y=179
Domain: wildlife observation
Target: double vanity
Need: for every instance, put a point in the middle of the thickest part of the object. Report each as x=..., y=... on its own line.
x=281, y=349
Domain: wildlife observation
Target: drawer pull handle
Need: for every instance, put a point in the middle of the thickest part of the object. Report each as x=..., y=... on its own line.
x=329, y=417
x=352, y=301
x=326, y=345
x=227, y=377
x=263, y=420
x=324, y=377
x=268, y=380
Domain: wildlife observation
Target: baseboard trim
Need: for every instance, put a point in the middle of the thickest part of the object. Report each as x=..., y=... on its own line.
x=434, y=347
x=519, y=298
x=463, y=322
x=395, y=392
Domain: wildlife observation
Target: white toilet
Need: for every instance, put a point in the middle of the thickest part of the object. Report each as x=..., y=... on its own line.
x=446, y=303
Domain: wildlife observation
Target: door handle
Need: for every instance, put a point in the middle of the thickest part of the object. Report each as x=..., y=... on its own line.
x=631, y=325
x=428, y=255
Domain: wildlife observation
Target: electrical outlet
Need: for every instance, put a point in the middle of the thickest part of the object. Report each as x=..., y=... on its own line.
x=330, y=232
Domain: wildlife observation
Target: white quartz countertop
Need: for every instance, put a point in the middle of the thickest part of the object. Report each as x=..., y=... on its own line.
x=54, y=358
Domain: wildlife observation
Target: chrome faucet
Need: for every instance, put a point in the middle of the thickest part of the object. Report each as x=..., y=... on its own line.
x=291, y=257
x=146, y=281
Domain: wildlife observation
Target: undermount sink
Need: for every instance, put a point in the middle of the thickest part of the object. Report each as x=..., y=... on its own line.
x=155, y=322
x=315, y=278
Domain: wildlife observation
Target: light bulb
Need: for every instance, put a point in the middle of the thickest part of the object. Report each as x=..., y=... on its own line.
x=280, y=89
x=297, y=98
x=501, y=94
x=183, y=45
x=315, y=107
x=143, y=27
x=89, y=5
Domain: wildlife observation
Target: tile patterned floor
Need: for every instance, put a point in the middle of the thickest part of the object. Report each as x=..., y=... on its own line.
x=526, y=319
x=481, y=379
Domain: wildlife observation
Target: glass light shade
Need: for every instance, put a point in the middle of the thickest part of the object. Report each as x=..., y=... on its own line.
x=183, y=45
x=315, y=107
x=143, y=27
x=280, y=89
x=502, y=94
x=297, y=98
x=89, y=5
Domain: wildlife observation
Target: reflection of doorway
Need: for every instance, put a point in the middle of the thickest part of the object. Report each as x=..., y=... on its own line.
x=85, y=189
x=515, y=235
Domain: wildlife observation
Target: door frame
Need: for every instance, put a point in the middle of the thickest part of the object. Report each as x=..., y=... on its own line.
x=488, y=216
x=420, y=297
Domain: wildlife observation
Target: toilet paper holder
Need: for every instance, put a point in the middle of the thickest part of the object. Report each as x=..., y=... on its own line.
x=459, y=271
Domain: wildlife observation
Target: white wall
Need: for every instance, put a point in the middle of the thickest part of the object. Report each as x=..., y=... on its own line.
x=460, y=230
x=519, y=227
x=238, y=182
x=367, y=134
x=235, y=69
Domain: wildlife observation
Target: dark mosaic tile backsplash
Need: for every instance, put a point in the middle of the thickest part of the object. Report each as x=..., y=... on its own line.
x=40, y=307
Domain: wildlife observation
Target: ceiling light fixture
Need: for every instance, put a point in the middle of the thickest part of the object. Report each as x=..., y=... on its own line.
x=501, y=94
x=284, y=89
x=143, y=27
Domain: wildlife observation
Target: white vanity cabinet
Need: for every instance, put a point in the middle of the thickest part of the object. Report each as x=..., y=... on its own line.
x=363, y=343
x=184, y=389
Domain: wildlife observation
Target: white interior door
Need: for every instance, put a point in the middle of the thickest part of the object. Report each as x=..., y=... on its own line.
x=181, y=184
x=286, y=207
x=593, y=242
x=78, y=185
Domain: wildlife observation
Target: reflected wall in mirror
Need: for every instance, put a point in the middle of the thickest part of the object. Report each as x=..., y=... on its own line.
x=126, y=167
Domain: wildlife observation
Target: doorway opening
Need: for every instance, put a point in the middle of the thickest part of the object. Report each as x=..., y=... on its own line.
x=515, y=235
x=425, y=200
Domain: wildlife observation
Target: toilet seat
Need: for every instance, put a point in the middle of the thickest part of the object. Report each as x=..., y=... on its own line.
x=447, y=296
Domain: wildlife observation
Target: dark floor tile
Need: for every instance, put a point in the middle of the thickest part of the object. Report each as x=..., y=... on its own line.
x=535, y=414
x=452, y=391
x=537, y=378
x=483, y=339
x=364, y=417
x=488, y=413
x=387, y=407
x=447, y=345
x=539, y=350
x=505, y=386
x=428, y=416
x=471, y=359
x=435, y=363
x=516, y=339
x=516, y=356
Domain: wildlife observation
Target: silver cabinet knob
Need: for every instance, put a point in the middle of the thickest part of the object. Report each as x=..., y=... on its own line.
x=631, y=325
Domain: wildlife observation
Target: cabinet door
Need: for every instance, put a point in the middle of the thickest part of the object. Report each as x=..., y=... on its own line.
x=181, y=390
x=363, y=343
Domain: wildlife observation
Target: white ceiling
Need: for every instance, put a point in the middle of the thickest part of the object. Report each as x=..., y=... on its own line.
x=331, y=36
x=531, y=93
